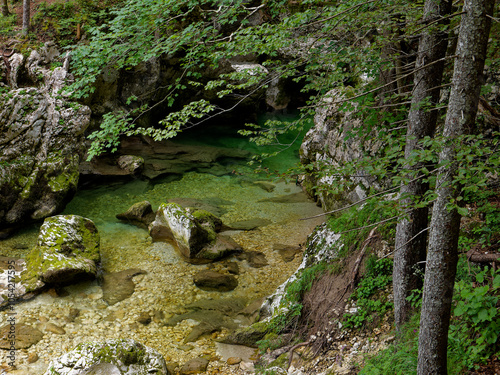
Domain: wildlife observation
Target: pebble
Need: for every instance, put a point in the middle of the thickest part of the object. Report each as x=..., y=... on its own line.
x=233, y=360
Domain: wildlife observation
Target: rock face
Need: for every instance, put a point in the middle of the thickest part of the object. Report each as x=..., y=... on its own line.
x=41, y=141
x=120, y=357
x=193, y=233
x=329, y=143
x=67, y=250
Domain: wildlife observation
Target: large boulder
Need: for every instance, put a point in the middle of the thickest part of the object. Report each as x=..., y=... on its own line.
x=41, y=142
x=175, y=224
x=112, y=357
x=192, y=232
x=67, y=251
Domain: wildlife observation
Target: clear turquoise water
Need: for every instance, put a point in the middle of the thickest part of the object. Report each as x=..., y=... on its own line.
x=168, y=285
x=101, y=203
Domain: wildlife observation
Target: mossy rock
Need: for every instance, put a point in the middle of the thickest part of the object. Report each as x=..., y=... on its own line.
x=175, y=224
x=67, y=250
x=248, y=336
x=207, y=220
x=126, y=355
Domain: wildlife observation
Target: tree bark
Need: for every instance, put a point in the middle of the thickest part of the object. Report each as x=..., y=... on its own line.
x=26, y=16
x=5, y=8
x=442, y=253
x=411, y=246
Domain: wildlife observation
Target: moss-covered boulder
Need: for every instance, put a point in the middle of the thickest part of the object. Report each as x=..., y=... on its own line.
x=175, y=224
x=42, y=142
x=67, y=251
x=120, y=357
x=192, y=232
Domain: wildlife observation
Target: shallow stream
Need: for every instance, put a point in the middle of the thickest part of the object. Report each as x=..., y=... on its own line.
x=79, y=314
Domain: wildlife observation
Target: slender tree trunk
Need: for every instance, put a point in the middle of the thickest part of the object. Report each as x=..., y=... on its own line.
x=410, y=245
x=26, y=16
x=5, y=8
x=443, y=240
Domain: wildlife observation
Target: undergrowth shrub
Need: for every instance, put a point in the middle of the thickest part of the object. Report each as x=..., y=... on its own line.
x=369, y=295
x=365, y=218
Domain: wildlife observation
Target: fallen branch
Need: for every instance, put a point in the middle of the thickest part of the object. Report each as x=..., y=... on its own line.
x=477, y=257
x=355, y=270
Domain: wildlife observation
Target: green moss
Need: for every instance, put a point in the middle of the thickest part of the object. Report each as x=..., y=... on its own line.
x=57, y=249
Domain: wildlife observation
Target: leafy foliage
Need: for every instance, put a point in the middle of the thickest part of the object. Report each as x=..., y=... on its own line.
x=474, y=329
x=356, y=223
x=369, y=294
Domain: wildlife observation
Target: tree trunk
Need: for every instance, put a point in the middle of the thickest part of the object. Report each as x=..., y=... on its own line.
x=442, y=253
x=26, y=16
x=410, y=245
x=5, y=8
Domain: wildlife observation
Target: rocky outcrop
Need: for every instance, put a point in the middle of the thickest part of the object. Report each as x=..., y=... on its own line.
x=331, y=144
x=143, y=156
x=192, y=232
x=67, y=251
x=112, y=357
x=41, y=140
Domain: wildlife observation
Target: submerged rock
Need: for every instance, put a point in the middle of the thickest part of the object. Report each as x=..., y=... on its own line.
x=195, y=366
x=287, y=252
x=140, y=214
x=121, y=357
x=250, y=224
x=25, y=336
x=118, y=286
x=67, y=251
x=255, y=259
x=215, y=281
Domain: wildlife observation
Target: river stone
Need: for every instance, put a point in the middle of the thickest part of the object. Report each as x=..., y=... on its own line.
x=140, y=214
x=222, y=247
x=289, y=198
x=120, y=356
x=25, y=335
x=250, y=224
x=195, y=366
x=265, y=185
x=67, y=250
x=42, y=142
x=210, y=205
x=255, y=259
x=175, y=224
x=118, y=286
x=215, y=281
x=287, y=252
